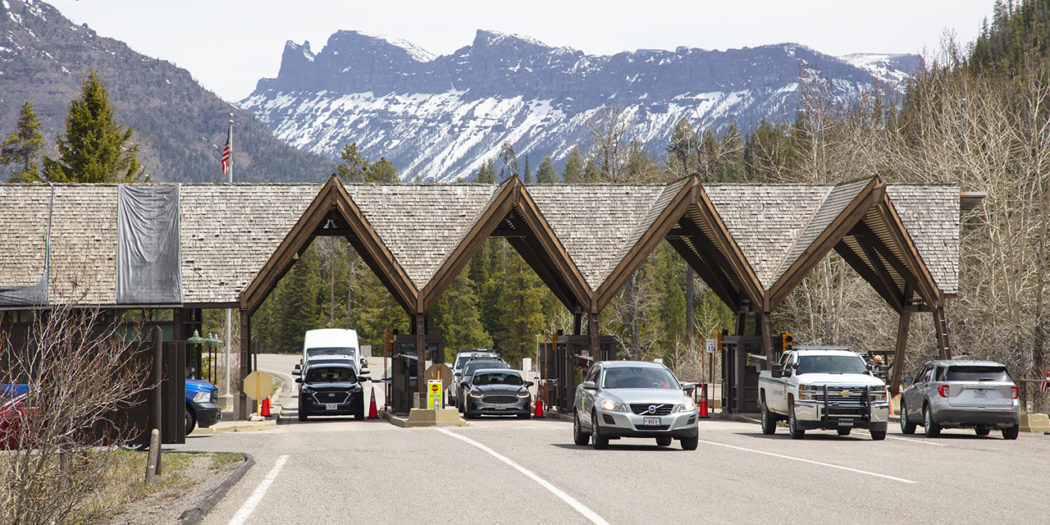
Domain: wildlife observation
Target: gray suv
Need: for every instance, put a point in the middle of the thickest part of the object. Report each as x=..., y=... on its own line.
x=961, y=394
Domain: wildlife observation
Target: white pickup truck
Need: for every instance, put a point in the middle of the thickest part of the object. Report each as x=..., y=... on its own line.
x=831, y=389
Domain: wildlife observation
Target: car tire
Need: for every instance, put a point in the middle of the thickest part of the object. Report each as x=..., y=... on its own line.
x=878, y=435
x=794, y=428
x=1011, y=432
x=982, y=431
x=663, y=441
x=689, y=443
x=598, y=441
x=579, y=437
x=907, y=426
x=524, y=415
x=769, y=422
x=844, y=431
x=302, y=413
x=191, y=421
x=930, y=426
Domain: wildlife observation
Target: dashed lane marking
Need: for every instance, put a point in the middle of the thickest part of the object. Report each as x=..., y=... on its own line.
x=260, y=491
x=810, y=461
x=580, y=507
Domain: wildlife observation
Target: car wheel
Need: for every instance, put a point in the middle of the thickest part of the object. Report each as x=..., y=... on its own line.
x=689, y=443
x=794, y=428
x=191, y=422
x=663, y=441
x=578, y=435
x=769, y=423
x=598, y=441
x=844, y=431
x=907, y=426
x=982, y=431
x=1011, y=433
x=931, y=427
x=302, y=413
x=524, y=415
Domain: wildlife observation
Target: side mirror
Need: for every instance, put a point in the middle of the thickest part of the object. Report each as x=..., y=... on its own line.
x=457, y=374
x=298, y=380
x=589, y=385
x=297, y=372
x=776, y=370
x=364, y=378
x=688, y=385
x=529, y=383
x=907, y=380
x=365, y=371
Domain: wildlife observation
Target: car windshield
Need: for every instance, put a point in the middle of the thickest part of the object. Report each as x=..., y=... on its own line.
x=460, y=361
x=320, y=374
x=470, y=367
x=978, y=373
x=498, y=378
x=831, y=364
x=639, y=377
x=330, y=350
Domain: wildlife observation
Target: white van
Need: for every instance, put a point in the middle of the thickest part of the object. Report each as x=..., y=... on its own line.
x=332, y=343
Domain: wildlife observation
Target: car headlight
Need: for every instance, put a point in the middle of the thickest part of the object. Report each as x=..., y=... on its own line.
x=475, y=393
x=202, y=397
x=613, y=406
x=524, y=394
x=688, y=406
x=809, y=391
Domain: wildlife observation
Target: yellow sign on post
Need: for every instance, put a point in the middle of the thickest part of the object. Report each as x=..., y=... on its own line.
x=434, y=397
x=258, y=385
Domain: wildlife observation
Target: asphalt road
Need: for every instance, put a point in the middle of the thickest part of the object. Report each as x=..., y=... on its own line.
x=337, y=470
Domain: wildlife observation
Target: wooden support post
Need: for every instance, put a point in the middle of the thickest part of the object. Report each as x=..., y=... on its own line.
x=592, y=331
x=940, y=323
x=156, y=405
x=153, y=459
x=245, y=366
x=421, y=355
x=898, y=356
x=577, y=323
x=767, y=339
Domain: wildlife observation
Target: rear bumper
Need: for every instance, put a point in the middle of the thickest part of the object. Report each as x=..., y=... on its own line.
x=207, y=414
x=970, y=417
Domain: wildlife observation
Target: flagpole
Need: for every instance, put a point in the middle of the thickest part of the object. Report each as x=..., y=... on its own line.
x=229, y=311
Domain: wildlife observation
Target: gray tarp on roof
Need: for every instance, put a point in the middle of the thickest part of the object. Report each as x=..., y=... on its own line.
x=148, y=245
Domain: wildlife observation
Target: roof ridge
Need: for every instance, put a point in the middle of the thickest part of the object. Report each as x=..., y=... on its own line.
x=801, y=232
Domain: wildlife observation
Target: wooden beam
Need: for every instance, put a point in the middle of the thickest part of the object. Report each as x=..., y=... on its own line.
x=715, y=281
x=898, y=355
x=863, y=233
x=767, y=337
x=883, y=276
x=725, y=244
x=870, y=275
x=710, y=254
x=244, y=369
x=927, y=287
x=549, y=245
x=940, y=323
x=825, y=241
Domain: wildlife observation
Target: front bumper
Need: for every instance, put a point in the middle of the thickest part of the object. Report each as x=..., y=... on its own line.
x=207, y=414
x=817, y=415
x=521, y=405
x=628, y=424
x=354, y=404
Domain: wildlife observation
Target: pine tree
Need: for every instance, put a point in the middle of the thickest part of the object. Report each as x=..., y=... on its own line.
x=545, y=173
x=486, y=173
x=96, y=148
x=299, y=305
x=455, y=316
x=574, y=167
x=527, y=177
x=23, y=147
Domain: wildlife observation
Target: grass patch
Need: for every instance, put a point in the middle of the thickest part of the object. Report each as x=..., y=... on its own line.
x=222, y=459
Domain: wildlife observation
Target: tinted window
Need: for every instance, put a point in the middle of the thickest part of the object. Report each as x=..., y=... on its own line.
x=831, y=364
x=330, y=350
x=470, y=367
x=460, y=360
x=978, y=373
x=329, y=374
x=640, y=377
x=504, y=378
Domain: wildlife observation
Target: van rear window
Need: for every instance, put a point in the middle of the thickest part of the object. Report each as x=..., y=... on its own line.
x=333, y=350
x=978, y=373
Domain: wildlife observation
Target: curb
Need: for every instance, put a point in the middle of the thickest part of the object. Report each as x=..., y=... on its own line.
x=196, y=514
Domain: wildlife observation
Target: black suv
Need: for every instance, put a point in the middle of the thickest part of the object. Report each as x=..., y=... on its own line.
x=331, y=388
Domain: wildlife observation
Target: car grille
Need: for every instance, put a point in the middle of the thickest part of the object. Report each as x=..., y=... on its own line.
x=652, y=427
x=660, y=409
x=854, y=399
x=331, y=397
x=500, y=400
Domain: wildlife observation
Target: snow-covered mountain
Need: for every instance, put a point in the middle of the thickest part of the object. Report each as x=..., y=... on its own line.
x=439, y=118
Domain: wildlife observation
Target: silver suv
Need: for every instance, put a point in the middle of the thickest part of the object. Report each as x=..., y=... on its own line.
x=961, y=394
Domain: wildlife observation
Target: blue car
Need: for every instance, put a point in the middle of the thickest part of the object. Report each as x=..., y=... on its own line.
x=201, y=409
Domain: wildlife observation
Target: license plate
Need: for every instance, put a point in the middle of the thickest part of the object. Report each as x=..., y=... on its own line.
x=650, y=421
x=980, y=393
x=845, y=422
x=331, y=406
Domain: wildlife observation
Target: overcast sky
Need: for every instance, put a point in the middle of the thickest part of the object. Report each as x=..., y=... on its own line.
x=228, y=45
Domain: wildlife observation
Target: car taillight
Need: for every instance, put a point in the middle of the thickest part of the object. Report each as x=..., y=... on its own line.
x=1016, y=393
x=943, y=390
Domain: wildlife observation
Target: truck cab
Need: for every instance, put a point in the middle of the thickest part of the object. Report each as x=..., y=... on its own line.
x=829, y=388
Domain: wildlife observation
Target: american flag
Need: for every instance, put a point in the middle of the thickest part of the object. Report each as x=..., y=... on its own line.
x=226, y=152
x=1045, y=385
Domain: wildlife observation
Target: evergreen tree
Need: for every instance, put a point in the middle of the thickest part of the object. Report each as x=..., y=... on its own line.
x=299, y=307
x=592, y=172
x=455, y=316
x=574, y=167
x=683, y=142
x=486, y=173
x=23, y=147
x=96, y=148
x=527, y=178
x=545, y=173
x=356, y=168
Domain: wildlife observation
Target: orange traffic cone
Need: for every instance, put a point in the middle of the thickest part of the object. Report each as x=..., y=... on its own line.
x=703, y=401
x=264, y=410
x=538, y=411
x=372, y=413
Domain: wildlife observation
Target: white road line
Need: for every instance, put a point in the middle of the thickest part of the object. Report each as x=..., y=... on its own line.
x=918, y=441
x=810, y=461
x=587, y=513
x=260, y=491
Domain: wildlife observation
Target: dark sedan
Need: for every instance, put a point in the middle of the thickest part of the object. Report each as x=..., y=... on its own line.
x=331, y=389
x=498, y=392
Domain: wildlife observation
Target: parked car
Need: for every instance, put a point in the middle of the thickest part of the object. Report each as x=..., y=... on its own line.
x=201, y=410
x=457, y=368
x=498, y=391
x=961, y=394
x=14, y=418
x=633, y=399
x=330, y=387
x=463, y=381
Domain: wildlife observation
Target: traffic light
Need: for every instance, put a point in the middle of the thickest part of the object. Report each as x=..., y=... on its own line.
x=786, y=342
